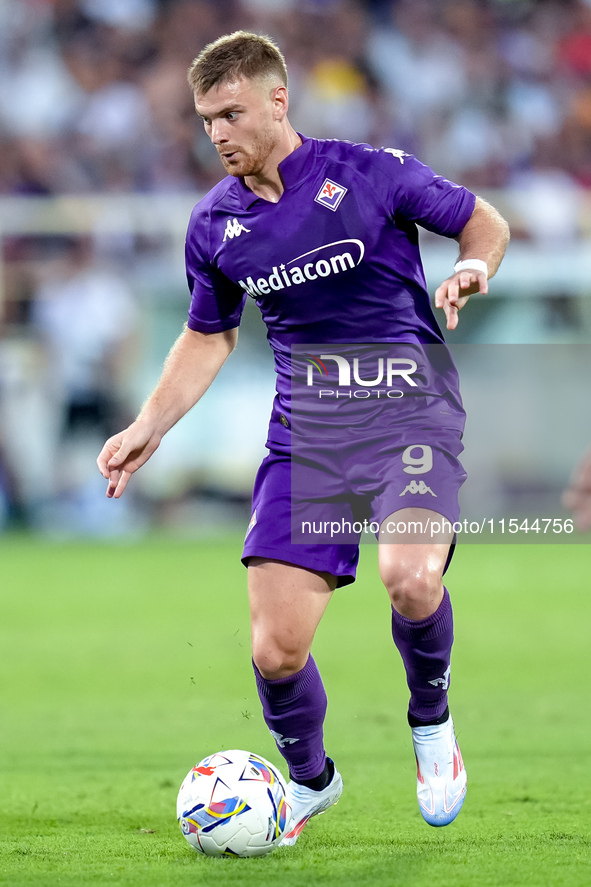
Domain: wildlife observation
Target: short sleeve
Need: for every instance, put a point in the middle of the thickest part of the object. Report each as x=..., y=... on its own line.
x=421, y=196
x=216, y=302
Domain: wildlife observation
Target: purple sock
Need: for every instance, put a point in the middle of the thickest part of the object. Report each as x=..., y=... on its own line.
x=294, y=710
x=425, y=647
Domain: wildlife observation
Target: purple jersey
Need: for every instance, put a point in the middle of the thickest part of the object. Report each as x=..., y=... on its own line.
x=336, y=259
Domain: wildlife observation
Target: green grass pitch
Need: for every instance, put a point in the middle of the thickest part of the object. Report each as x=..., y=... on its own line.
x=121, y=666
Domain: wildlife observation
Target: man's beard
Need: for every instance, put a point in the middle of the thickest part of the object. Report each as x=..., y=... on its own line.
x=251, y=163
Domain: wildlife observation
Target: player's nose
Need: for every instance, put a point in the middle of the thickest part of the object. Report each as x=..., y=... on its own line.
x=218, y=135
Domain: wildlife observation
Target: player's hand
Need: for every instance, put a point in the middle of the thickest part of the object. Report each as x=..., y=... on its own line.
x=123, y=454
x=454, y=292
x=577, y=496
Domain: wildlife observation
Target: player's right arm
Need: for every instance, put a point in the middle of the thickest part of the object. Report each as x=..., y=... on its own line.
x=191, y=366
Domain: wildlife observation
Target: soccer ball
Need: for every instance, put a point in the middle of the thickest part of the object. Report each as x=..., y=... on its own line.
x=232, y=803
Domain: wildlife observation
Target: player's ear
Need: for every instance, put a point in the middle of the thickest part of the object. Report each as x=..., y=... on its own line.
x=280, y=100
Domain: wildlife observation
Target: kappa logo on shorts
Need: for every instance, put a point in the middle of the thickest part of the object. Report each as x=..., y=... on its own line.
x=330, y=194
x=420, y=487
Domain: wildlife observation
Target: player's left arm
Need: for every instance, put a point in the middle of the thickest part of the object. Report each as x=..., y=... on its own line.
x=484, y=238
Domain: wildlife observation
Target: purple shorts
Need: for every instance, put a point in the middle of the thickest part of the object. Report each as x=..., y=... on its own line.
x=313, y=503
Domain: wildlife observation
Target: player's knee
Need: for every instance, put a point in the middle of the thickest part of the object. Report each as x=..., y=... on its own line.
x=275, y=660
x=414, y=590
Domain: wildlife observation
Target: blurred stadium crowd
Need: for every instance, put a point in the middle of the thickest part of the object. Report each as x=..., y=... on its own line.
x=93, y=93
x=94, y=101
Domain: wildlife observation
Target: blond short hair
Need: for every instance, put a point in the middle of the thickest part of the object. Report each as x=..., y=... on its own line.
x=241, y=54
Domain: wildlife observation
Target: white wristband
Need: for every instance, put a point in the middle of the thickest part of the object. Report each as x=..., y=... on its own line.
x=472, y=265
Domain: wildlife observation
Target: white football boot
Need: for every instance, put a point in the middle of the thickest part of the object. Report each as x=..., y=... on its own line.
x=441, y=775
x=306, y=803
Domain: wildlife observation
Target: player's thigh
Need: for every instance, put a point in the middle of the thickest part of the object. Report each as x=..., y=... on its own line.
x=287, y=603
x=413, y=554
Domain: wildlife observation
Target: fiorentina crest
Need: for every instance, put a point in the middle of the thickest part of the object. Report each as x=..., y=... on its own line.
x=330, y=194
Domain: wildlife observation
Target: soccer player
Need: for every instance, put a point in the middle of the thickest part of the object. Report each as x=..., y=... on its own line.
x=322, y=234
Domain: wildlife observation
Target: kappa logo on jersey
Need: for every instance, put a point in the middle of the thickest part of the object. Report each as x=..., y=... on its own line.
x=398, y=153
x=234, y=229
x=420, y=487
x=330, y=194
